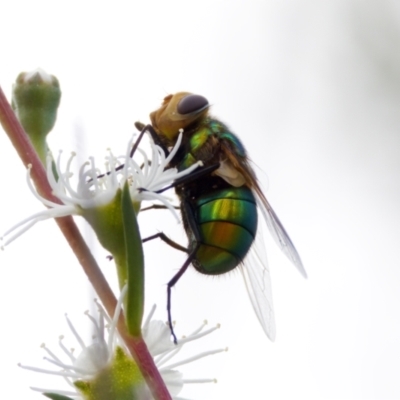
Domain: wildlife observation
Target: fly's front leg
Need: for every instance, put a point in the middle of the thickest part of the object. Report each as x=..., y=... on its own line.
x=134, y=147
x=156, y=138
x=196, y=174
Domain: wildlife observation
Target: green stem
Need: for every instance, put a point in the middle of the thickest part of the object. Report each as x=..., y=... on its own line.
x=136, y=346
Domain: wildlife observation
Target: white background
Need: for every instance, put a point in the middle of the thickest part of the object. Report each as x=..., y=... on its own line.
x=313, y=90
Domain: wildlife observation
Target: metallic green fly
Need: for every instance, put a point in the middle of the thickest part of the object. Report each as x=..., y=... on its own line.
x=219, y=202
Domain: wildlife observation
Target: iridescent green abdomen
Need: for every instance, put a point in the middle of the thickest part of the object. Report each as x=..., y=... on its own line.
x=227, y=224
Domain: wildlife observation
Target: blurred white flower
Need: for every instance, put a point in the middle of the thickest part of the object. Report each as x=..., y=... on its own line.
x=101, y=357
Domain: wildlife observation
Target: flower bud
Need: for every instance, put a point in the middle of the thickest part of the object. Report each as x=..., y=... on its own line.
x=35, y=99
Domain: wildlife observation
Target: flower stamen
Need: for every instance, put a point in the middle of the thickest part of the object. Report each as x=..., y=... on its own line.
x=100, y=357
x=96, y=190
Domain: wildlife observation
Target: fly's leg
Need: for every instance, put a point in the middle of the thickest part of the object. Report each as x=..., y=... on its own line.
x=156, y=138
x=172, y=283
x=188, y=212
x=177, y=276
x=167, y=240
x=134, y=147
x=158, y=207
x=196, y=174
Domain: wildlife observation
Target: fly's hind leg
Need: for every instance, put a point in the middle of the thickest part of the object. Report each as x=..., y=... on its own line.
x=178, y=275
x=158, y=207
x=166, y=239
x=172, y=283
x=195, y=245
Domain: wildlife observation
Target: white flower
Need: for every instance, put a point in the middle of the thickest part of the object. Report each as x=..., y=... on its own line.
x=94, y=358
x=96, y=188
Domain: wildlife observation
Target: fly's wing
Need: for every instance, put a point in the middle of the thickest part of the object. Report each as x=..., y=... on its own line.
x=258, y=284
x=278, y=232
x=255, y=268
x=239, y=161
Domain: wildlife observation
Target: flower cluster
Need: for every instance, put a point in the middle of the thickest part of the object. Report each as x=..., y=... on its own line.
x=107, y=354
x=112, y=366
x=97, y=188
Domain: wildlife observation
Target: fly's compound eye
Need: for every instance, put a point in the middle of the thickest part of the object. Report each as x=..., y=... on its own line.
x=192, y=103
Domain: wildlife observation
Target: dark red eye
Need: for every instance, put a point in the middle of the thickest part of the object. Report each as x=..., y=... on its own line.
x=192, y=103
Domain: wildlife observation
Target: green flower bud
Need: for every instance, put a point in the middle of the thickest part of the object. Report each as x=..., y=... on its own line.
x=35, y=99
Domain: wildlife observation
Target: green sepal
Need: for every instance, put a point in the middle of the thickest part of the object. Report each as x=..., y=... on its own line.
x=55, y=396
x=134, y=301
x=117, y=229
x=35, y=100
x=106, y=221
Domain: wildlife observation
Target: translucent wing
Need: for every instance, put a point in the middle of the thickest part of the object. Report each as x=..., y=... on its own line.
x=258, y=284
x=255, y=269
x=241, y=164
x=278, y=232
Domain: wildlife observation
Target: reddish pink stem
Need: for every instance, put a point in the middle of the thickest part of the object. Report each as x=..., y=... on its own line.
x=136, y=345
